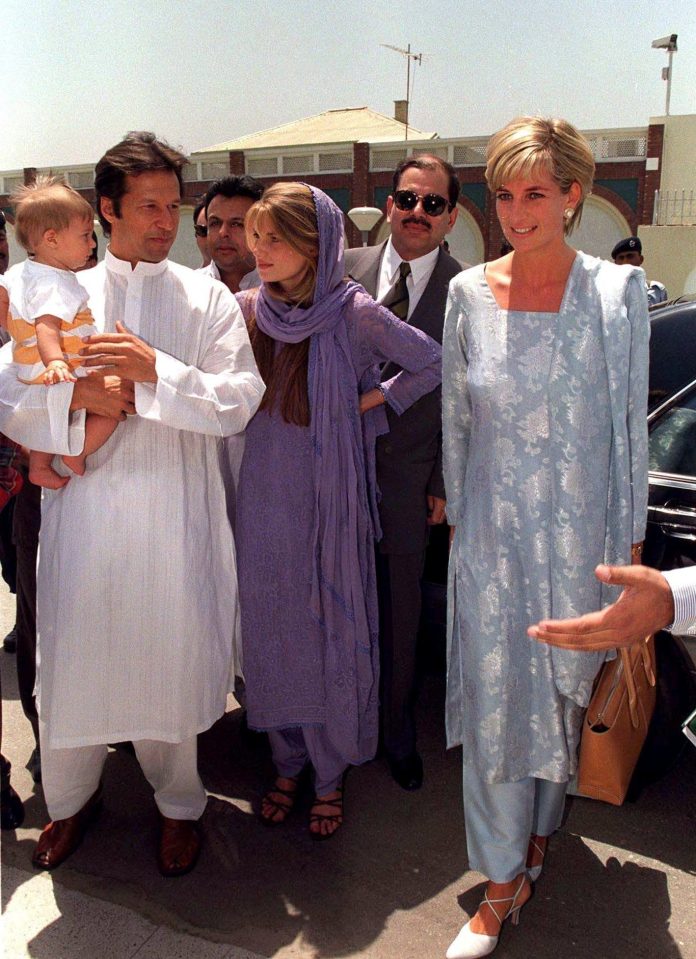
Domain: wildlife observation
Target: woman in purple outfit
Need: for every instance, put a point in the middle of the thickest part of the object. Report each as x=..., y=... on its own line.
x=306, y=509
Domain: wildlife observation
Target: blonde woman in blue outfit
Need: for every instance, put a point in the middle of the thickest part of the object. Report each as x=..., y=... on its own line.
x=545, y=371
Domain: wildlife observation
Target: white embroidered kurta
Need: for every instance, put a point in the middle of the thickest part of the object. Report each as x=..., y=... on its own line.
x=137, y=582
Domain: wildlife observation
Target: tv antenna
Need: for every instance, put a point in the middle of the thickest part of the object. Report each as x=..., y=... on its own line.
x=417, y=58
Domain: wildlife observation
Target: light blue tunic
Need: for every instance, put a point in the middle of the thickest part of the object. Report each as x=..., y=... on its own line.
x=545, y=446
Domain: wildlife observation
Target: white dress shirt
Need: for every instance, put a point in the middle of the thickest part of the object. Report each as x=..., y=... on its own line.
x=249, y=281
x=682, y=582
x=421, y=271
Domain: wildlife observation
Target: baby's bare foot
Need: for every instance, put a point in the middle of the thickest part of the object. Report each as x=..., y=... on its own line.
x=75, y=463
x=47, y=477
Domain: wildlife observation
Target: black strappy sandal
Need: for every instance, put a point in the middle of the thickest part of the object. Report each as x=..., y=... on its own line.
x=320, y=817
x=284, y=805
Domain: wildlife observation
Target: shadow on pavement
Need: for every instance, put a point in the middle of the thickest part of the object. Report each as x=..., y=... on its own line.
x=261, y=888
x=656, y=824
x=267, y=890
x=589, y=910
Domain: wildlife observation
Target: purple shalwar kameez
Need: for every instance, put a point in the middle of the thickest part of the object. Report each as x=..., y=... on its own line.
x=306, y=522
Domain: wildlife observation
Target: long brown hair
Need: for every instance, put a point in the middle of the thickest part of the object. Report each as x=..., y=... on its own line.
x=289, y=208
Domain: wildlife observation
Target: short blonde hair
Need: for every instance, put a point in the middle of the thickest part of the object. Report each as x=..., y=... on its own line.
x=527, y=143
x=47, y=204
x=290, y=208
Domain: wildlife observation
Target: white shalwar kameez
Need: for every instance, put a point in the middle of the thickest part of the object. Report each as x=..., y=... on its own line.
x=137, y=584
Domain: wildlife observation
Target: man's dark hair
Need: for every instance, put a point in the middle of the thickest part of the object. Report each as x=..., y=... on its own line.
x=428, y=161
x=139, y=152
x=197, y=209
x=230, y=186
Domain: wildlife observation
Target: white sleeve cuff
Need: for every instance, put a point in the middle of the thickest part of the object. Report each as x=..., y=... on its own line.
x=148, y=395
x=682, y=582
x=67, y=429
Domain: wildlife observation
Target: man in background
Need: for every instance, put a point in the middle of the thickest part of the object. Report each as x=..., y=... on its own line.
x=200, y=229
x=226, y=204
x=630, y=252
x=410, y=275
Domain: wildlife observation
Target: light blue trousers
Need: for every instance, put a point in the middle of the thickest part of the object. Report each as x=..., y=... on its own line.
x=500, y=818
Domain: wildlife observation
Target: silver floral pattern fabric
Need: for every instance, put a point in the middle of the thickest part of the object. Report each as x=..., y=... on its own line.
x=545, y=461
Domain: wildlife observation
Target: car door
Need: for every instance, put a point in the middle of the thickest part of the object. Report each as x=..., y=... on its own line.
x=670, y=542
x=671, y=537
x=672, y=357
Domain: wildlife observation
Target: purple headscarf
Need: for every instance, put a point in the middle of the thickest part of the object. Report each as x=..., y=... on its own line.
x=343, y=597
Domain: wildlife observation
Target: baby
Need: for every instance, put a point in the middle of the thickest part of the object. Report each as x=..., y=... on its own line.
x=48, y=315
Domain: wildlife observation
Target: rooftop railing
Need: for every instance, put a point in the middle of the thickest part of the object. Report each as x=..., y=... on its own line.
x=674, y=208
x=608, y=146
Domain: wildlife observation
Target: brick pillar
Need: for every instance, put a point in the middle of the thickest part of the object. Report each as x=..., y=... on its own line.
x=30, y=175
x=237, y=167
x=495, y=236
x=651, y=180
x=361, y=172
x=359, y=188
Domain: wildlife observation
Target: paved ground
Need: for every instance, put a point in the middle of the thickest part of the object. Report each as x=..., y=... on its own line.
x=392, y=885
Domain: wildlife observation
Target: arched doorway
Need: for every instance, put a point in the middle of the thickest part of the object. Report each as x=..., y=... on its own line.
x=601, y=228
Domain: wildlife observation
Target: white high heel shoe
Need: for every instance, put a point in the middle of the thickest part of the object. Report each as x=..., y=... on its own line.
x=473, y=945
x=535, y=871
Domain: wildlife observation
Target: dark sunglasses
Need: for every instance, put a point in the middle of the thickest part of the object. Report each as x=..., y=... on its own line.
x=433, y=203
x=200, y=230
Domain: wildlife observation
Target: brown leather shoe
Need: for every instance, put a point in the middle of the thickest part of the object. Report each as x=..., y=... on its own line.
x=179, y=846
x=61, y=838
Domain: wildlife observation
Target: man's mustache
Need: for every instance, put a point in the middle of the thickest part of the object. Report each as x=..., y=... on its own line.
x=417, y=220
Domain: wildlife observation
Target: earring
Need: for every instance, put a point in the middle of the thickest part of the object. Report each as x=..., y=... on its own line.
x=568, y=212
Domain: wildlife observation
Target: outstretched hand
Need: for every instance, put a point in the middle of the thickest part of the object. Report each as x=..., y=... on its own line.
x=121, y=353
x=644, y=606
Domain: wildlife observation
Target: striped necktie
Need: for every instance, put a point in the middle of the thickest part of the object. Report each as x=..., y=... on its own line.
x=396, y=299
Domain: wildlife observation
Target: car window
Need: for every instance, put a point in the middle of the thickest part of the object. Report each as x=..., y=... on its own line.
x=672, y=357
x=672, y=441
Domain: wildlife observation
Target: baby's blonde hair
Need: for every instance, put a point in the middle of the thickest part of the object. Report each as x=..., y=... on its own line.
x=47, y=204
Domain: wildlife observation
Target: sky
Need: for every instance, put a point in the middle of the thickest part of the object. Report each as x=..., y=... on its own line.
x=78, y=74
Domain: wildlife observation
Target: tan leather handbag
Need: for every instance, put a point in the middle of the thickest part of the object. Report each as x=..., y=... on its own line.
x=616, y=723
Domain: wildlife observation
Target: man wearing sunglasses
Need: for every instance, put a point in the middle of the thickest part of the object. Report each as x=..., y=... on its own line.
x=200, y=229
x=410, y=274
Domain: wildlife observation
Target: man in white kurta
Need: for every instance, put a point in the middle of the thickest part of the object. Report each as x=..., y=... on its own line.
x=137, y=586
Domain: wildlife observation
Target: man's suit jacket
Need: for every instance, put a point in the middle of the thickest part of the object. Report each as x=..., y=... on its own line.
x=409, y=456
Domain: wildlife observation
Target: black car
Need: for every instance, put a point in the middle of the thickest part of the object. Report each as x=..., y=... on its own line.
x=670, y=543
x=672, y=348
x=670, y=540
x=671, y=537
